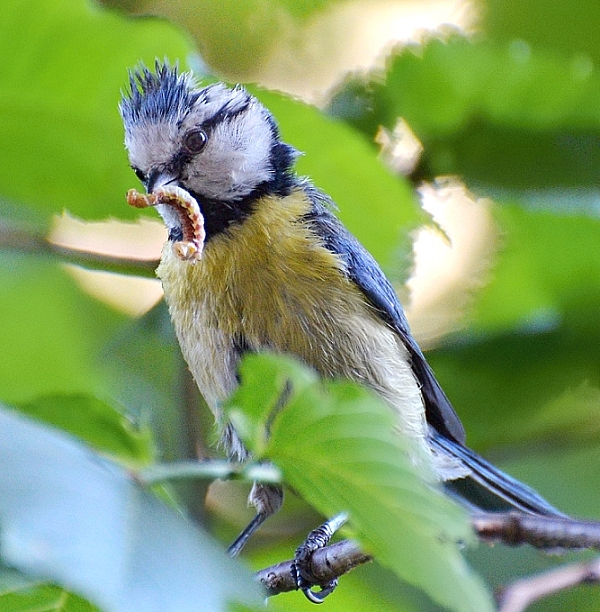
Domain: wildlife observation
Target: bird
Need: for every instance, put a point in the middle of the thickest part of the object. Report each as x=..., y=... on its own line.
x=270, y=267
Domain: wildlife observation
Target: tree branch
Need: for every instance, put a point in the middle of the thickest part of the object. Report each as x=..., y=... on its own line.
x=516, y=528
x=24, y=241
x=511, y=528
x=327, y=563
x=522, y=593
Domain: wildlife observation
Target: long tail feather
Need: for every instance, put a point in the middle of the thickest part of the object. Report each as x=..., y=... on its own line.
x=488, y=488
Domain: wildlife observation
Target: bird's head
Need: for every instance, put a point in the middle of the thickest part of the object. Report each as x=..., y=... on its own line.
x=220, y=144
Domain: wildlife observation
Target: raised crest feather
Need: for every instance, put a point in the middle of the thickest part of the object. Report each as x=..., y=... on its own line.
x=154, y=96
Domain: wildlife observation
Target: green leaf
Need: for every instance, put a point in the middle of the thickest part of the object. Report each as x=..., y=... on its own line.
x=43, y=598
x=235, y=37
x=95, y=422
x=267, y=380
x=336, y=445
x=526, y=367
x=507, y=115
x=51, y=332
x=65, y=63
x=543, y=275
x=143, y=369
x=563, y=27
x=524, y=388
x=71, y=517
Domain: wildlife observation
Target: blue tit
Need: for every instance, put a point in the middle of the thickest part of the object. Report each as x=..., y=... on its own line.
x=278, y=271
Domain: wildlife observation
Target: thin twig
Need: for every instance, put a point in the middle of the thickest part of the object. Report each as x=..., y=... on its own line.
x=30, y=242
x=511, y=528
x=327, y=563
x=191, y=444
x=549, y=532
x=212, y=469
x=546, y=532
x=519, y=595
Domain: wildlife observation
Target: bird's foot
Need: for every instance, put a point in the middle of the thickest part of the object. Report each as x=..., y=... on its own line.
x=302, y=568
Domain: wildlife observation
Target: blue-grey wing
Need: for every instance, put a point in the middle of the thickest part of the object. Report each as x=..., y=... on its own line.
x=364, y=271
x=485, y=486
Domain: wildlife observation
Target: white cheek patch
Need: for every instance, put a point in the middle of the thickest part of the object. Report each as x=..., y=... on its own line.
x=236, y=159
x=251, y=136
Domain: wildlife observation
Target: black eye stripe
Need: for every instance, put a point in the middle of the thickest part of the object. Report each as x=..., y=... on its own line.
x=226, y=113
x=139, y=174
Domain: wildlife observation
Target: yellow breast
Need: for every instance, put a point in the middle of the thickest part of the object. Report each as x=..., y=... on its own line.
x=269, y=282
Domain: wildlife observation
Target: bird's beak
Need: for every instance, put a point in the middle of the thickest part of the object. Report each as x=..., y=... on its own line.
x=159, y=178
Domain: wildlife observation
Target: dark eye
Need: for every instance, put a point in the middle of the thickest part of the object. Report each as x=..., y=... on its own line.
x=194, y=141
x=139, y=174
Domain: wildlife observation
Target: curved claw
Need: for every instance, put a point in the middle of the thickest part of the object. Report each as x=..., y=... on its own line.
x=301, y=567
x=318, y=597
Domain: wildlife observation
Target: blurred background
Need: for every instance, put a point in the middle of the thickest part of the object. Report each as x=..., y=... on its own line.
x=461, y=142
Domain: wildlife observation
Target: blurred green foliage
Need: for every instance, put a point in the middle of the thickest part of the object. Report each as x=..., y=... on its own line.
x=46, y=597
x=550, y=25
x=503, y=114
x=336, y=445
x=514, y=112
x=73, y=517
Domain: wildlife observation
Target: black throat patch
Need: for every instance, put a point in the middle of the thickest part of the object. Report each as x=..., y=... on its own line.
x=219, y=215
